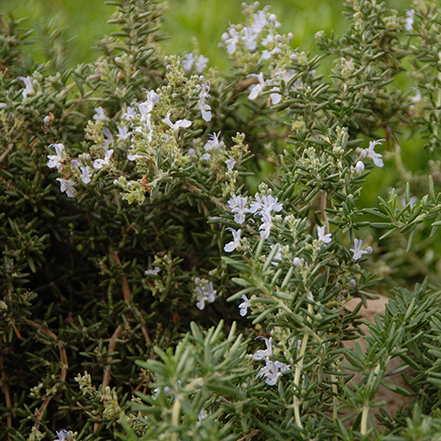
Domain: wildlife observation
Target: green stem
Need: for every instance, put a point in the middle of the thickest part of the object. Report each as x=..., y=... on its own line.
x=299, y=367
x=175, y=417
x=364, y=419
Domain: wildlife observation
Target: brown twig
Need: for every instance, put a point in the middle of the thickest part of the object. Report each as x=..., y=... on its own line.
x=250, y=435
x=5, y=153
x=124, y=282
x=64, y=366
x=323, y=202
x=111, y=348
x=127, y=292
x=7, y=396
x=247, y=83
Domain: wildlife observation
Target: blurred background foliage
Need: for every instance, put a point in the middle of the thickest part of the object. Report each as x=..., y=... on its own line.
x=190, y=24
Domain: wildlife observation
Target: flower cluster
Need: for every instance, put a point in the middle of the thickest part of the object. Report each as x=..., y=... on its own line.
x=272, y=369
x=205, y=292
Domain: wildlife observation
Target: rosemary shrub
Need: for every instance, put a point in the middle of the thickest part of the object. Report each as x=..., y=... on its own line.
x=179, y=244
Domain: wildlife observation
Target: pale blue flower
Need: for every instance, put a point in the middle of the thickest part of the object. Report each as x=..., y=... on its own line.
x=123, y=133
x=153, y=272
x=260, y=21
x=100, y=163
x=206, y=293
x=231, y=39
x=256, y=89
x=263, y=353
x=179, y=124
x=358, y=252
x=230, y=163
x=188, y=61
x=359, y=167
x=250, y=38
x=56, y=161
x=237, y=205
x=326, y=238
x=85, y=174
x=409, y=19
x=29, y=87
x=231, y=246
x=201, y=64
x=61, y=435
x=130, y=114
x=99, y=114
x=68, y=187
x=243, y=307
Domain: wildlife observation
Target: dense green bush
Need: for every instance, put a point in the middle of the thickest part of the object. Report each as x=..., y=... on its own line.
x=141, y=192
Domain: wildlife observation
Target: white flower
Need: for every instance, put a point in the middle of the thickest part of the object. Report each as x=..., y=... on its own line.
x=297, y=261
x=201, y=64
x=180, y=123
x=68, y=187
x=231, y=246
x=29, y=88
x=147, y=106
x=232, y=41
x=56, y=161
x=85, y=174
x=213, y=142
x=266, y=54
x=409, y=19
x=100, y=163
x=205, y=108
x=263, y=353
x=261, y=204
x=256, y=89
x=370, y=153
x=188, y=62
x=206, y=293
x=250, y=39
x=130, y=114
x=201, y=302
x=417, y=97
x=358, y=252
x=46, y=120
x=270, y=371
x=359, y=167
x=326, y=238
x=123, y=133
x=237, y=205
x=61, y=435
x=260, y=21
x=243, y=307
x=153, y=272
x=274, y=99
x=273, y=20
x=99, y=114
x=108, y=136
x=267, y=223
x=201, y=417
x=376, y=157
x=230, y=162
x=205, y=112
x=268, y=39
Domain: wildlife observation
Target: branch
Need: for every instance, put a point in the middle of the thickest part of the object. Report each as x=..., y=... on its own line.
x=64, y=366
x=7, y=396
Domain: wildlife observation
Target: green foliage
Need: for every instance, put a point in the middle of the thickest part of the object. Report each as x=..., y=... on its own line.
x=140, y=192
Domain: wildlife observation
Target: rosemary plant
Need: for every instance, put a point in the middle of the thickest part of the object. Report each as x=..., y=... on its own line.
x=179, y=244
